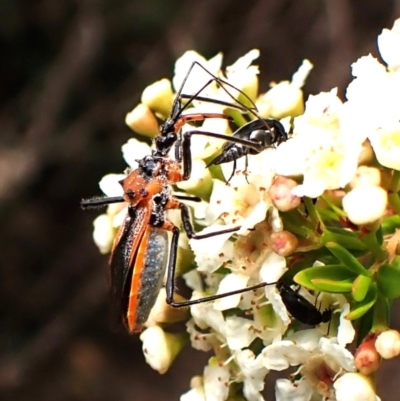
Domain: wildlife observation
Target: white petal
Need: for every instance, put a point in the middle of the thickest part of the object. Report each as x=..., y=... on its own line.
x=133, y=150
x=216, y=383
x=389, y=45
x=281, y=355
x=110, y=185
x=346, y=330
x=240, y=332
x=286, y=390
x=103, y=233
x=354, y=387
x=307, y=339
x=342, y=356
x=230, y=282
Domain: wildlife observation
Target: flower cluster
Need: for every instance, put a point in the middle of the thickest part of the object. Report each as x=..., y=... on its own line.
x=321, y=212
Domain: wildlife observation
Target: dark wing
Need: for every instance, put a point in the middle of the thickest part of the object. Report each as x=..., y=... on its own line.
x=122, y=259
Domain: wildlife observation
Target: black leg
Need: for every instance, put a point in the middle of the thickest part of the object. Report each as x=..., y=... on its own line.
x=188, y=227
x=170, y=283
x=233, y=171
x=187, y=198
x=186, y=153
x=216, y=101
x=100, y=201
x=222, y=83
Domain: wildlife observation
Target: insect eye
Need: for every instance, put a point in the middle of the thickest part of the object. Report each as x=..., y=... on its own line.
x=143, y=193
x=131, y=193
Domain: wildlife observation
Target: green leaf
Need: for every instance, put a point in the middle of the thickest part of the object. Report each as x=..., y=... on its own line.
x=359, y=309
x=347, y=259
x=317, y=277
x=390, y=224
x=345, y=238
x=379, y=235
x=360, y=287
x=388, y=279
x=333, y=286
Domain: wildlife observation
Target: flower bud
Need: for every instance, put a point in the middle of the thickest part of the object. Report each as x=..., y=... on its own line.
x=365, y=204
x=103, y=233
x=161, y=348
x=244, y=76
x=354, y=387
x=366, y=359
x=200, y=181
x=388, y=344
x=282, y=100
x=284, y=243
x=366, y=155
x=389, y=44
x=142, y=120
x=197, y=390
x=161, y=312
x=366, y=176
x=159, y=97
x=281, y=195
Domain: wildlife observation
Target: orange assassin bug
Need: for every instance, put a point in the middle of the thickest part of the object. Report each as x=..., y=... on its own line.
x=139, y=255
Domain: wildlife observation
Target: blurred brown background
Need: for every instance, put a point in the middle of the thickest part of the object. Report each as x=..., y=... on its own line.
x=70, y=70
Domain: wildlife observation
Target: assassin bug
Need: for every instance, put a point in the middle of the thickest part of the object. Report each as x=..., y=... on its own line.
x=301, y=309
x=139, y=255
x=141, y=252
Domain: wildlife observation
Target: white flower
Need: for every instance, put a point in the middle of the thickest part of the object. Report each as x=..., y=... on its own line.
x=301, y=347
x=361, y=212
x=386, y=144
x=211, y=253
x=371, y=109
x=197, y=77
x=244, y=76
x=285, y=98
x=273, y=268
x=216, y=383
x=103, y=233
x=346, y=331
x=252, y=374
x=231, y=282
x=354, y=387
x=239, y=332
x=244, y=206
x=281, y=355
x=200, y=181
x=160, y=348
x=197, y=390
x=205, y=316
x=158, y=96
x=134, y=150
x=389, y=45
x=201, y=341
x=110, y=185
x=388, y=344
x=319, y=150
x=287, y=390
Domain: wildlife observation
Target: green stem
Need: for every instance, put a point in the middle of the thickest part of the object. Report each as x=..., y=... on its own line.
x=346, y=241
x=372, y=244
x=394, y=201
x=296, y=223
x=380, y=319
x=238, y=118
x=312, y=212
x=395, y=182
x=336, y=209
